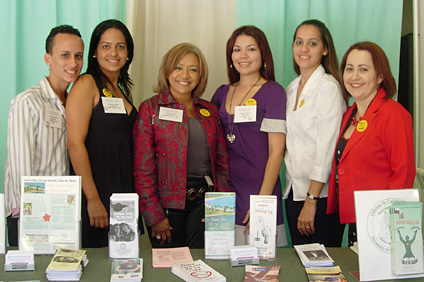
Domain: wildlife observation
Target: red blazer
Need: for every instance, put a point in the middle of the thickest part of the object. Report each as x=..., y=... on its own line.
x=380, y=157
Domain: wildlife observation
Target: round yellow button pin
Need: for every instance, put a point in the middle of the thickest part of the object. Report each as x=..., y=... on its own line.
x=205, y=112
x=107, y=93
x=250, y=102
x=362, y=125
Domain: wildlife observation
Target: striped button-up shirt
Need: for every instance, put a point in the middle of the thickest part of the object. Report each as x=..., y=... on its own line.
x=36, y=140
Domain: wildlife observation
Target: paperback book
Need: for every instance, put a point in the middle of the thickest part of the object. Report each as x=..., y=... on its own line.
x=197, y=271
x=219, y=224
x=127, y=270
x=322, y=274
x=66, y=265
x=255, y=273
x=313, y=255
x=263, y=225
x=123, y=234
x=406, y=244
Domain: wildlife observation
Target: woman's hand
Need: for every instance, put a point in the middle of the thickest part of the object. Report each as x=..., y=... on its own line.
x=305, y=221
x=162, y=229
x=97, y=213
x=247, y=220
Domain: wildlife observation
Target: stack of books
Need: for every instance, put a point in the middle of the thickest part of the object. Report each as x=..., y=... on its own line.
x=66, y=265
x=127, y=270
x=197, y=271
x=330, y=273
x=313, y=255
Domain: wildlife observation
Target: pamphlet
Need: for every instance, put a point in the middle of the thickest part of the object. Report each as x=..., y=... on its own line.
x=167, y=257
x=407, y=239
x=50, y=214
x=373, y=229
x=123, y=229
x=66, y=265
x=263, y=225
x=127, y=270
x=197, y=271
x=313, y=255
x=255, y=273
x=322, y=274
x=219, y=224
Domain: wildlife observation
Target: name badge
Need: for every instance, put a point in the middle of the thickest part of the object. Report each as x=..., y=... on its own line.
x=245, y=114
x=171, y=114
x=113, y=105
x=52, y=118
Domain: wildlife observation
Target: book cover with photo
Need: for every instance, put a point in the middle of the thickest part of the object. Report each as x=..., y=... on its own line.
x=406, y=243
x=263, y=225
x=219, y=224
x=322, y=274
x=128, y=270
x=255, y=273
x=123, y=234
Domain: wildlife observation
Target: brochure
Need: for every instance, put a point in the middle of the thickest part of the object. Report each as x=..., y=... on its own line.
x=127, y=270
x=373, y=228
x=263, y=225
x=219, y=224
x=66, y=265
x=167, y=257
x=322, y=274
x=50, y=214
x=255, y=273
x=407, y=239
x=123, y=229
x=313, y=255
x=197, y=271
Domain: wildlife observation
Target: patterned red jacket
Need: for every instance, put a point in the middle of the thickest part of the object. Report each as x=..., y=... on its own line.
x=160, y=151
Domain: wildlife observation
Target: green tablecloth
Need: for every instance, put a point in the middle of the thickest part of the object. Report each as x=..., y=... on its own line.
x=98, y=269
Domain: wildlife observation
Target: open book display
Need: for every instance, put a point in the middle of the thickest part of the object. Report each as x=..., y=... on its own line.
x=50, y=215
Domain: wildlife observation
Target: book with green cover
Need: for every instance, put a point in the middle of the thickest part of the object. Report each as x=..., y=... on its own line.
x=406, y=237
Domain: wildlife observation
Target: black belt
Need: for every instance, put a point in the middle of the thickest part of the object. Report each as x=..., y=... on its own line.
x=196, y=188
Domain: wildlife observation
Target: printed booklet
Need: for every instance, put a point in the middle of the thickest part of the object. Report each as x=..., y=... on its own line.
x=219, y=224
x=197, y=271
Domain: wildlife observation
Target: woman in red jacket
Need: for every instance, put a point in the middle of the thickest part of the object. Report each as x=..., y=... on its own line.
x=375, y=149
x=178, y=140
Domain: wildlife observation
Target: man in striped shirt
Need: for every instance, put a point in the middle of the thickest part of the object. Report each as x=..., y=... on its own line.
x=36, y=140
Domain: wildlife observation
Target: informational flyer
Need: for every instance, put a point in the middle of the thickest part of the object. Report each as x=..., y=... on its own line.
x=123, y=229
x=50, y=215
x=263, y=225
x=373, y=228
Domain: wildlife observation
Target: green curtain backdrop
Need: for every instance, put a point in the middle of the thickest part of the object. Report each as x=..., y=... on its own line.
x=349, y=21
x=25, y=25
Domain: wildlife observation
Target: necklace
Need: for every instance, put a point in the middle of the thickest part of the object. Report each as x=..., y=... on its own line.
x=231, y=137
x=355, y=121
x=191, y=106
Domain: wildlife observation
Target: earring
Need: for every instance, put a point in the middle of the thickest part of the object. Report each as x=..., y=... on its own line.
x=94, y=56
x=231, y=66
x=264, y=65
x=128, y=59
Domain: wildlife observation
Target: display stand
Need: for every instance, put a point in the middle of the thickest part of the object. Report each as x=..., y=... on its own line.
x=373, y=230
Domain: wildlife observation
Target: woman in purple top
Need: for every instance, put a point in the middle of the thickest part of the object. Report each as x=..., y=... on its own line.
x=255, y=135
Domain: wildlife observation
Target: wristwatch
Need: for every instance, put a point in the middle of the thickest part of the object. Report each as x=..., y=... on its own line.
x=312, y=197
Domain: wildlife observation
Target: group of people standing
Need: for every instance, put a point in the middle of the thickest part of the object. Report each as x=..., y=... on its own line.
x=179, y=146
